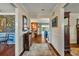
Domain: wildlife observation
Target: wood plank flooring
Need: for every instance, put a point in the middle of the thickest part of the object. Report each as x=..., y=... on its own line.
x=7, y=50
x=74, y=50
x=38, y=40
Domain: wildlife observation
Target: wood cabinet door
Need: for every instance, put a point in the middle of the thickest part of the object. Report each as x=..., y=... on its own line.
x=26, y=41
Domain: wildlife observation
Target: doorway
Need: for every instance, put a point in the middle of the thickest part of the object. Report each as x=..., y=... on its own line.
x=7, y=35
x=39, y=29
x=45, y=32
x=7, y=29
x=71, y=16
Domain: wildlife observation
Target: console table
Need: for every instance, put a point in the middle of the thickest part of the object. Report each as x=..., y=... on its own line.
x=26, y=41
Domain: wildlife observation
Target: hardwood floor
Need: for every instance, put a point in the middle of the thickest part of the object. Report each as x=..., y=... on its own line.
x=38, y=39
x=7, y=50
x=41, y=49
x=74, y=50
x=67, y=54
x=74, y=45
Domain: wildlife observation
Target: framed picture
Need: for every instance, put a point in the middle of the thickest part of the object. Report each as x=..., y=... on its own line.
x=10, y=23
x=24, y=23
x=55, y=22
x=2, y=23
x=7, y=23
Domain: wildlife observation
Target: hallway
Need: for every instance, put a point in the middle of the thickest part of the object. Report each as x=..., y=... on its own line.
x=40, y=48
x=30, y=19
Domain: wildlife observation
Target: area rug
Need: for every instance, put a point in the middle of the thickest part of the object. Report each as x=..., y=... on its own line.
x=39, y=50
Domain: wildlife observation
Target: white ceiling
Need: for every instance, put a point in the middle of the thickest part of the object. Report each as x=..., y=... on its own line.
x=34, y=9
x=6, y=7
x=72, y=7
x=40, y=20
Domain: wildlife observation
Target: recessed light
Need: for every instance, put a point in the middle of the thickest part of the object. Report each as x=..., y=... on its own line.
x=0, y=10
x=42, y=9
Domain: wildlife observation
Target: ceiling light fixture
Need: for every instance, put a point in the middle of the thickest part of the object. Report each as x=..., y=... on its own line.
x=0, y=10
x=42, y=9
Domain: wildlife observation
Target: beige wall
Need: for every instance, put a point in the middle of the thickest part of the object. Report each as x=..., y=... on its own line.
x=57, y=33
x=19, y=33
x=73, y=33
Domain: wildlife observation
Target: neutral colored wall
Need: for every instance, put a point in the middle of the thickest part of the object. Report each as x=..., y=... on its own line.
x=19, y=33
x=73, y=33
x=57, y=33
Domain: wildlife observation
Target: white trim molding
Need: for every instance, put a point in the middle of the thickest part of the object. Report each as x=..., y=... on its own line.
x=7, y=13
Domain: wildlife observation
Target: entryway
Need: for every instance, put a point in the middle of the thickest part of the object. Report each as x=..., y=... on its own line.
x=7, y=29
x=39, y=42
x=71, y=31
